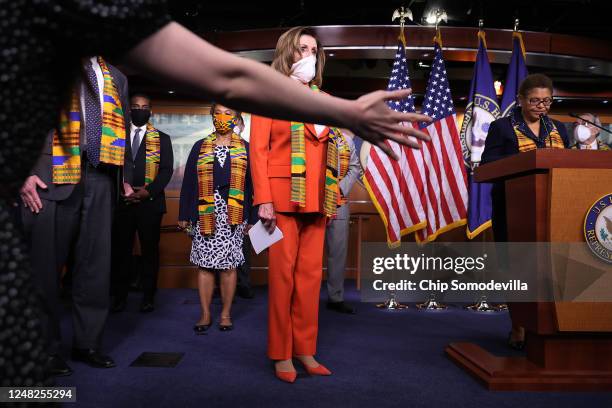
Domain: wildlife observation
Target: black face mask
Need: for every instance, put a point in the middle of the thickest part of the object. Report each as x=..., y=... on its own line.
x=140, y=116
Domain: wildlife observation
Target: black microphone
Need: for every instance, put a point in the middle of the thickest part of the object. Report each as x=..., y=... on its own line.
x=574, y=115
x=543, y=121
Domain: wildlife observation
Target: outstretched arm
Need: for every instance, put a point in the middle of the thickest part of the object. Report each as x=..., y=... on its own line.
x=177, y=56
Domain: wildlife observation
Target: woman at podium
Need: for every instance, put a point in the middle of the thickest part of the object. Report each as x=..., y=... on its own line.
x=527, y=128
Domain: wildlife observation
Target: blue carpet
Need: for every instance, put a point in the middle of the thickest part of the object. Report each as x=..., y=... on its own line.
x=379, y=359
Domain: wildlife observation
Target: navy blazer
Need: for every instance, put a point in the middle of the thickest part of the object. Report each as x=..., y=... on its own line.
x=188, y=205
x=501, y=142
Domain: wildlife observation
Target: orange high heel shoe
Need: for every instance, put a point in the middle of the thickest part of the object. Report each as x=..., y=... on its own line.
x=286, y=376
x=318, y=370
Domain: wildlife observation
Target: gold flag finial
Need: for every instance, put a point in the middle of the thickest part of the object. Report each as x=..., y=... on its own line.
x=401, y=14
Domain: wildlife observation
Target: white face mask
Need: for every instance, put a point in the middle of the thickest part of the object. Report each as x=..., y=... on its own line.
x=582, y=133
x=305, y=69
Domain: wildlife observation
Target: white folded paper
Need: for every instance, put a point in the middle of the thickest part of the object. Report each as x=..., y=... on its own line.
x=261, y=238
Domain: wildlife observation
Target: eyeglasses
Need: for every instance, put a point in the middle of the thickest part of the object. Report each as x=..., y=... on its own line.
x=537, y=101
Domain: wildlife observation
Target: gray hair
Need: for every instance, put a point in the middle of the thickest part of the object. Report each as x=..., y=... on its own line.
x=594, y=118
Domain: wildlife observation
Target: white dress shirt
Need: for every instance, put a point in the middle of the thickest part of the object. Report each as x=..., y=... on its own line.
x=592, y=146
x=320, y=129
x=143, y=130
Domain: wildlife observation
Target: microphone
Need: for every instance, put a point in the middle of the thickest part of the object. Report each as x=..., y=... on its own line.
x=574, y=115
x=543, y=121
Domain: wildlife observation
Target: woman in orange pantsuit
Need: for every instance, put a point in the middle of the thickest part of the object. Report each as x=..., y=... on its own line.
x=295, y=262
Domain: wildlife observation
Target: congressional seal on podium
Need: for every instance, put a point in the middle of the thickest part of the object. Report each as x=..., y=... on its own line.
x=598, y=228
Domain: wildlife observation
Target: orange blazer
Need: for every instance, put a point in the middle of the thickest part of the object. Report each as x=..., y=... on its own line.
x=270, y=154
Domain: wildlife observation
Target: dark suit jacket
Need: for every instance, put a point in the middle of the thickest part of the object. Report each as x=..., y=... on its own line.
x=44, y=167
x=188, y=206
x=501, y=142
x=134, y=171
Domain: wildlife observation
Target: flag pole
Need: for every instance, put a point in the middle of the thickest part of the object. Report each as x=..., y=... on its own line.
x=482, y=305
x=402, y=13
x=432, y=304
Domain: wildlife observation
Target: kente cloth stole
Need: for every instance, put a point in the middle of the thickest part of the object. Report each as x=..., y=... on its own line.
x=344, y=152
x=153, y=155
x=206, y=198
x=525, y=143
x=298, y=166
x=66, y=142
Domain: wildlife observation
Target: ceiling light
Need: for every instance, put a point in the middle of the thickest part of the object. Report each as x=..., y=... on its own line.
x=435, y=16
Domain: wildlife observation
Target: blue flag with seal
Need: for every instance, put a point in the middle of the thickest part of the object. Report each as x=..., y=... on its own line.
x=517, y=71
x=481, y=110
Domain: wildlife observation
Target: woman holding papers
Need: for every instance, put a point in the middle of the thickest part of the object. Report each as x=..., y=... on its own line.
x=216, y=208
x=289, y=171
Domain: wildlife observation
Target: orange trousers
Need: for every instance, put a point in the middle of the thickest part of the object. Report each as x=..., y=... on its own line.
x=294, y=283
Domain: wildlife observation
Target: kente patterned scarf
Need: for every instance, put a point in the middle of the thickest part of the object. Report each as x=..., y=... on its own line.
x=343, y=166
x=66, y=142
x=206, y=198
x=298, y=166
x=525, y=143
x=152, y=146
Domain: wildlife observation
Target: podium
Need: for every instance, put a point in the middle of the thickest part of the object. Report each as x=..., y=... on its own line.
x=568, y=345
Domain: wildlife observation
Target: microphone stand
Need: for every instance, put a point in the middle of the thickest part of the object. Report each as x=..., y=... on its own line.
x=543, y=121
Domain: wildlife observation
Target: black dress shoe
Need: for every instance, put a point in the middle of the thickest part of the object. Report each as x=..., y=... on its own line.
x=201, y=328
x=118, y=305
x=226, y=327
x=93, y=358
x=147, y=307
x=245, y=292
x=340, y=307
x=56, y=366
x=515, y=344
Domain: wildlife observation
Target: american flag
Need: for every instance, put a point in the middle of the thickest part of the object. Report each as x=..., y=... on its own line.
x=444, y=169
x=397, y=188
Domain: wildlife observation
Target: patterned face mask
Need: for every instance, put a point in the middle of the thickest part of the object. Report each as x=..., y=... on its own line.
x=224, y=123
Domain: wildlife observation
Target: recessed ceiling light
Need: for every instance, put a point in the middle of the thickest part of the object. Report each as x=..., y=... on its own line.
x=331, y=54
x=170, y=92
x=592, y=66
x=605, y=101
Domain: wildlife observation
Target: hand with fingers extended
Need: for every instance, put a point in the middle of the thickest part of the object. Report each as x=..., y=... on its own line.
x=378, y=122
x=267, y=216
x=29, y=193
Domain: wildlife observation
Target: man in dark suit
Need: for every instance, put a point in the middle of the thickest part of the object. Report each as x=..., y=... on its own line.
x=148, y=169
x=59, y=214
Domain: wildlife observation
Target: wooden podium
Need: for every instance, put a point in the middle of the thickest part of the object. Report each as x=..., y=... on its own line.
x=568, y=345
